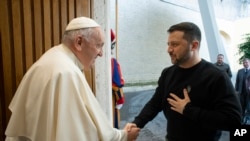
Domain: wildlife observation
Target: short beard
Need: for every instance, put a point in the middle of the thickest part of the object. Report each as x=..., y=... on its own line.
x=182, y=59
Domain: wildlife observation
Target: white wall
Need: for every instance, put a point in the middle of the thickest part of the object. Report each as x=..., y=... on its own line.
x=142, y=35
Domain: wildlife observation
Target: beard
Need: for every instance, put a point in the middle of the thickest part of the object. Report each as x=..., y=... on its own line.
x=180, y=58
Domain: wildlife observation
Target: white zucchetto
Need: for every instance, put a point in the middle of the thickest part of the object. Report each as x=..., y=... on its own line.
x=81, y=22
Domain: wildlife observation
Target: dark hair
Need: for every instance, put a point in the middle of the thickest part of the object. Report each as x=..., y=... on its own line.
x=191, y=31
x=245, y=59
x=220, y=55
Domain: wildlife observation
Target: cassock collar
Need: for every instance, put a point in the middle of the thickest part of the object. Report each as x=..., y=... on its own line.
x=73, y=57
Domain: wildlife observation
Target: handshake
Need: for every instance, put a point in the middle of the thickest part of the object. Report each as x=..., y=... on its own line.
x=132, y=131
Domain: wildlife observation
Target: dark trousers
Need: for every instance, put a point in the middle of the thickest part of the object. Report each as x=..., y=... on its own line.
x=245, y=105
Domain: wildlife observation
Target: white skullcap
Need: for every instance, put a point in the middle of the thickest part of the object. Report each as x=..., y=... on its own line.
x=81, y=22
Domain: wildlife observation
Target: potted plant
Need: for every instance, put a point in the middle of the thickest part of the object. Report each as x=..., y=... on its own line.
x=244, y=48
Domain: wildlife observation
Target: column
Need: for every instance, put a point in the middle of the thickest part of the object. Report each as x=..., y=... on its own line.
x=103, y=84
x=214, y=41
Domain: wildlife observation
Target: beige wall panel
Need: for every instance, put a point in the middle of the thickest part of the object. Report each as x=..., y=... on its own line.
x=71, y=9
x=56, y=22
x=64, y=18
x=17, y=40
x=47, y=24
x=7, y=80
x=39, y=40
x=28, y=35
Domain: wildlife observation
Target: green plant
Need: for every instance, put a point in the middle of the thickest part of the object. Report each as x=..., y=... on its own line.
x=244, y=48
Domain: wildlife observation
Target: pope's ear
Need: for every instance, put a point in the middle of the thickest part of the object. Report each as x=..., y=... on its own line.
x=78, y=42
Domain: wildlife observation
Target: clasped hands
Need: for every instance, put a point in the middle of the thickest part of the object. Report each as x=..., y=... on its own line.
x=132, y=131
x=178, y=104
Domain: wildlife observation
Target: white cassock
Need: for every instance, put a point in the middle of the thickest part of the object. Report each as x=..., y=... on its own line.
x=55, y=103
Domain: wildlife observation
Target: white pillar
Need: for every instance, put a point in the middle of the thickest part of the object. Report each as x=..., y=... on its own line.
x=214, y=41
x=103, y=64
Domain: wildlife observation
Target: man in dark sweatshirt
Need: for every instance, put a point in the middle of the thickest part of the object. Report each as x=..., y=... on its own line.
x=197, y=99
